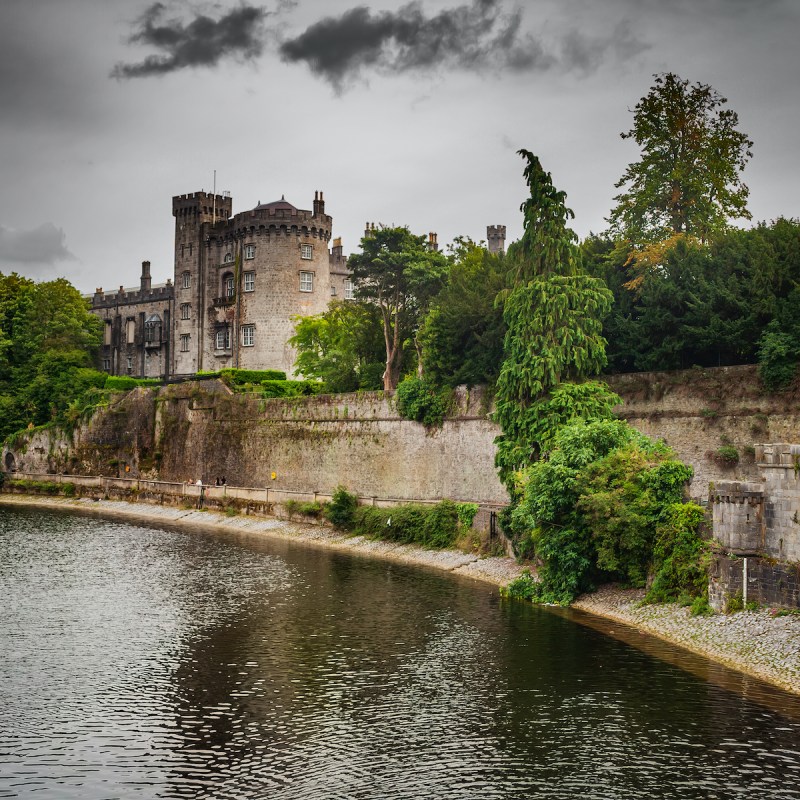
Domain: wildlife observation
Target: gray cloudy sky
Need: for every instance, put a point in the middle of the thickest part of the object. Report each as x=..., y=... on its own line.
x=401, y=113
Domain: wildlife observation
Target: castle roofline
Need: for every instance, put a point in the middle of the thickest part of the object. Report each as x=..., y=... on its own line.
x=277, y=205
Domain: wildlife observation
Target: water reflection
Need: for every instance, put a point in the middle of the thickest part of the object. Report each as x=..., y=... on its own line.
x=157, y=663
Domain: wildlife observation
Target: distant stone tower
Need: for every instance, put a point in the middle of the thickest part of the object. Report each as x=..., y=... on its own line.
x=496, y=238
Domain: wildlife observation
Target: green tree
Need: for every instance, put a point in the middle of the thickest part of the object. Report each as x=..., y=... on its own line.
x=687, y=180
x=462, y=334
x=553, y=316
x=343, y=347
x=397, y=272
x=48, y=341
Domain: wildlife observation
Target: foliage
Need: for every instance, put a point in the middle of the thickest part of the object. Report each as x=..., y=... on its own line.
x=397, y=272
x=466, y=514
x=290, y=388
x=434, y=526
x=48, y=340
x=687, y=179
x=418, y=399
x=340, y=511
x=724, y=303
x=591, y=511
x=727, y=455
x=41, y=487
x=700, y=607
x=680, y=556
x=306, y=508
x=121, y=383
x=523, y=587
x=343, y=347
x=778, y=357
x=462, y=334
x=553, y=316
x=235, y=377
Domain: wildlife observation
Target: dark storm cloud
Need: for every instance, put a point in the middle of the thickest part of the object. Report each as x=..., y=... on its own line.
x=474, y=36
x=482, y=35
x=42, y=246
x=203, y=42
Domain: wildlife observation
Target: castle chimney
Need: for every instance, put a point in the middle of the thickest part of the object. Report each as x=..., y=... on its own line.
x=433, y=243
x=496, y=238
x=319, y=204
x=336, y=250
x=145, y=282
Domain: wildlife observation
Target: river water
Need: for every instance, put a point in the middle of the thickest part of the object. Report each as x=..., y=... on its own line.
x=155, y=663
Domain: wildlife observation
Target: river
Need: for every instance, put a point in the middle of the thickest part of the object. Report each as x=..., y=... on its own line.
x=142, y=662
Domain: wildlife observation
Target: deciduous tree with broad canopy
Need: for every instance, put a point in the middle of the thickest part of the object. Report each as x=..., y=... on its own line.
x=687, y=180
x=398, y=272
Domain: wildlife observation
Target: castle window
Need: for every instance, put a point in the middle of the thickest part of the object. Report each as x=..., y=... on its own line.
x=130, y=364
x=152, y=330
x=184, y=343
x=107, y=332
x=183, y=250
x=222, y=340
x=306, y=251
x=186, y=310
x=306, y=281
x=333, y=291
x=190, y=248
x=249, y=251
x=249, y=281
x=248, y=335
x=130, y=331
x=228, y=258
x=106, y=364
x=228, y=285
x=348, y=289
x=187, y=280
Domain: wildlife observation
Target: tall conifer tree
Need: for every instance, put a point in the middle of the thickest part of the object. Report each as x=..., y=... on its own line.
x=553, y=314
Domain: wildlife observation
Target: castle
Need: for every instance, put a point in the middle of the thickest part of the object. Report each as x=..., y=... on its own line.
x=239, y=280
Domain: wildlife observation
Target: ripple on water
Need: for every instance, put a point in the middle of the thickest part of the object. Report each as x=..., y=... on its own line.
x=155, y=663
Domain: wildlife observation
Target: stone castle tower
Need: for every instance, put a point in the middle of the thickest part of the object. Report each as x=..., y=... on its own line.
x=240, y=279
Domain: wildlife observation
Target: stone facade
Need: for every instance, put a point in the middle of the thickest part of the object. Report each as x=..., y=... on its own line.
x=758, y=527
x=762, y=518
x=137, y=324
x=238, y=282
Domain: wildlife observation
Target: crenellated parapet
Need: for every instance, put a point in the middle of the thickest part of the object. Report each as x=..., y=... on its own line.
x=762, y=518
x=739, y=519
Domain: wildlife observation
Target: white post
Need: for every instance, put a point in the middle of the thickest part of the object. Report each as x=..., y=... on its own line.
x=744, y=582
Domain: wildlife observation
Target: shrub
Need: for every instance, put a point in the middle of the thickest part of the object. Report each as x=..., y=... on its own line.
x=430, y=526
x=466, y=514
x=700, y=607
x=735, y=603
x=124, y=383
x=524, y=587
x=727, y=455
x=284, y=388
x=680, y=556
x=419, y=400
x=441, y=524
x=239, y=377
x=305, y=508
x=340, y=512
x=778, y=357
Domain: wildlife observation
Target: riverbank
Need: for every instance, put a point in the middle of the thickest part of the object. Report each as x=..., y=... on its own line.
x=755, y=643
